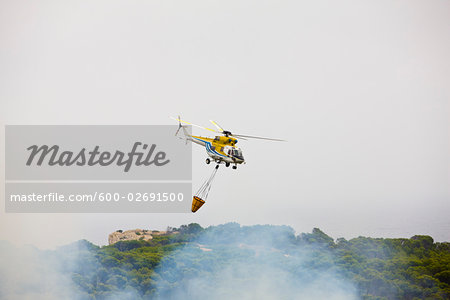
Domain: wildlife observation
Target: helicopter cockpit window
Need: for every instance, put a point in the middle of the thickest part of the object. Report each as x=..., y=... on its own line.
x=237, y=153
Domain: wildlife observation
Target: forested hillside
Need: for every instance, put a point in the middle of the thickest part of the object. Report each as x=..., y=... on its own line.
x=269, y=262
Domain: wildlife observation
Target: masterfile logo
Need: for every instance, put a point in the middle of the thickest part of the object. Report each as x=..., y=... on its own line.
x=141, y=152
x=78, y=169
x=94, y=157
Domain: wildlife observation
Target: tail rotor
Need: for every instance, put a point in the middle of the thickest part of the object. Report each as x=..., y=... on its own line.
x=179, y=126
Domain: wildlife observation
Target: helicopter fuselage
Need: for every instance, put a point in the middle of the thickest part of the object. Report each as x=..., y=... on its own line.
x=220, y=149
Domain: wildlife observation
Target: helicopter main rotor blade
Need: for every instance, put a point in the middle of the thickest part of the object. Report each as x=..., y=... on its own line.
x=241, y=138
x=217, y=126
x=257, y=137
x=206, y=128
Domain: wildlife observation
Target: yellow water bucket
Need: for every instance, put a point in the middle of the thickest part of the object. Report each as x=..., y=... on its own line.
x=197, y=203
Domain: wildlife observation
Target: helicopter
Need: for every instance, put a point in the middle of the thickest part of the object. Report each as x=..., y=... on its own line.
x=222, y=148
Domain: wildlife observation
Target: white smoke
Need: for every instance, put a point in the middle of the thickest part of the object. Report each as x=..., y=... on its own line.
x=223, y=262
x=244, y=265
x=29, y=273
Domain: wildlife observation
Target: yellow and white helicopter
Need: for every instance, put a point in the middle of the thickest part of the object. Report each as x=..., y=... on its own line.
x=221, y=149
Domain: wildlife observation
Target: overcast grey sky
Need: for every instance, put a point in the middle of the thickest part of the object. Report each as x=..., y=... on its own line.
x=360, y=89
